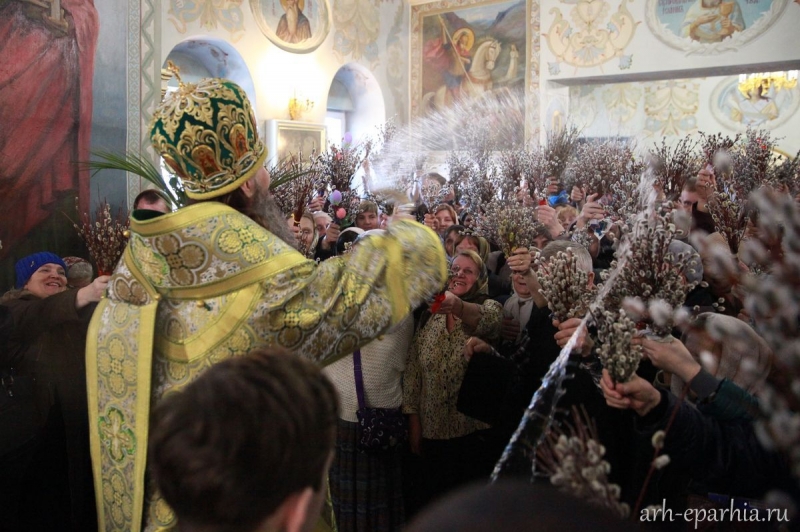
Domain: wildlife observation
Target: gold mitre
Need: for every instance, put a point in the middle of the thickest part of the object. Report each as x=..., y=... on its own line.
x=206, y=132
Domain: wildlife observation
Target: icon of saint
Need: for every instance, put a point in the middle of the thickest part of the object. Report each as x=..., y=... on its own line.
x=293, y=26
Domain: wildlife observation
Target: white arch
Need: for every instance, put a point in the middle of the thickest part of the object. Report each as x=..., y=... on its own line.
x=203, y=57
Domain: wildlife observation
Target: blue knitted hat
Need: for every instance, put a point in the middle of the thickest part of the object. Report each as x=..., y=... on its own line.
x=27, y=266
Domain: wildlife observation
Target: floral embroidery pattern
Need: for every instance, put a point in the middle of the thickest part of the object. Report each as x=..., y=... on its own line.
x=150, y=264
x=130, y=292
x=227, y=13
x=119, y=504
x=181, y=259
x=116, y=436
x=241, y=239
x=116, y=367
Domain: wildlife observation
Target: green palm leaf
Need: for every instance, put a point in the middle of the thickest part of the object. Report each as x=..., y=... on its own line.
x=141, y=166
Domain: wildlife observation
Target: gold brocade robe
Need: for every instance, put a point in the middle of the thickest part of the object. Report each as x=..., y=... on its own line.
x=207, y=283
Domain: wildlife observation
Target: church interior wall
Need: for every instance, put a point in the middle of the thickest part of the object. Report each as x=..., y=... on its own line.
x=650, y=80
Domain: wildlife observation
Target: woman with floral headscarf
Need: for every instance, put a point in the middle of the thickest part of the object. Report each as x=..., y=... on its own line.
x=454, y=447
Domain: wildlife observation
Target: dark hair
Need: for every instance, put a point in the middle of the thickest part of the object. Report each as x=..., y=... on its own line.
x=690, y=185
x=228, y=449
x=150, y=195
x=511, y=506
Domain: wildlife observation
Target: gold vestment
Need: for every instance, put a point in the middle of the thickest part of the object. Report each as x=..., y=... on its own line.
x=207, y=283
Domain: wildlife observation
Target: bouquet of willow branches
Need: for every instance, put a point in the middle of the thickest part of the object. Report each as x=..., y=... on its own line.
x=105, y=235
x=615, y=330
x=751, y=163
x=573, y=459
x=459, y=166
x=510, y=225
x=647, y=282
x=773, y=303
x=337, y=167
x=648, y=270
x=432, y=194
x=481, y=171
x=598, y=167
x=675, y=165
x=515, y=166
x=559, y=148
x=375, y=148
x=786, y=175
x=564, y=286
x=712, y=145
x=293, y=194
x=537, y=179
x=730, y=218
x=632, y=195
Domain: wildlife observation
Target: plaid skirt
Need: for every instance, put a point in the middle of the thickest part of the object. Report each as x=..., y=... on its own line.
x=366, y=487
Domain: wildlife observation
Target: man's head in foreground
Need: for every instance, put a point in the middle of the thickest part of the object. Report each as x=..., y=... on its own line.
x=246, y=447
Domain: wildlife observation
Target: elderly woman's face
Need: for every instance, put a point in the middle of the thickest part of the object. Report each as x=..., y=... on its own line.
x=49, y=279
x=465, y=275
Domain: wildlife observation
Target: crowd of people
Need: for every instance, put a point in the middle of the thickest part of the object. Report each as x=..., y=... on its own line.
x=354, y=383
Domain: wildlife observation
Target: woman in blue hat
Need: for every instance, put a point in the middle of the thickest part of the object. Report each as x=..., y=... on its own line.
x=44, y=439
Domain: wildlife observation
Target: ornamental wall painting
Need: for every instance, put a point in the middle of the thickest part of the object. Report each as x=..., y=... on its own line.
x=671, y=107
x=590, y=35
x=763, y=107
x=298, y=26
x=210, y=14
x=357, y=24
x=475, y=50
x=711, y=26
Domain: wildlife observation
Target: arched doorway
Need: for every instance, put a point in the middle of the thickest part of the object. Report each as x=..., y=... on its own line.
x=355, y=104
x=206, y=57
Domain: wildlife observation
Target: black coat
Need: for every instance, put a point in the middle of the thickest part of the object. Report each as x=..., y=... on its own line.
x=48, y=342
x=721, y=456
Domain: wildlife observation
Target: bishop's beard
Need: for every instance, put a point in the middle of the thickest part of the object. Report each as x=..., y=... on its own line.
x=264, y=210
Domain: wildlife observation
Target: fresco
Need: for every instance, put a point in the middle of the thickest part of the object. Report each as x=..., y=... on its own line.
x=357, y=25
x=621, y=101
x=46, y=112
x=711, y=26
x=763, y=107
x=671, y=106
x=591, y=35
x=298, y=26
x=466, y=52
x=210, y=14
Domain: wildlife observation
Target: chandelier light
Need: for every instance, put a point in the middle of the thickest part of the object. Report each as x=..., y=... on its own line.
x=767, y=80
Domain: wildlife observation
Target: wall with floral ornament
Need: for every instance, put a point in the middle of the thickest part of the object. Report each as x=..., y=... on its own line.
x=671, y=109
x=650, y=67
x=642, y=39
